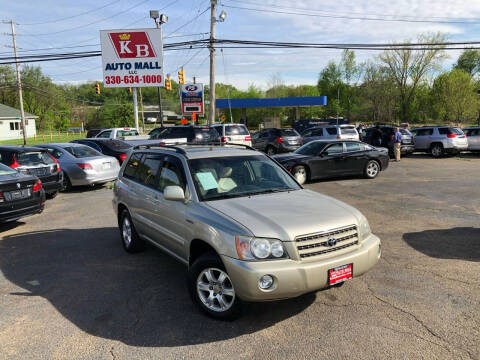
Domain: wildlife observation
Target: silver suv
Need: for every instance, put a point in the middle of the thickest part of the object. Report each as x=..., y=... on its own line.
x=439, y=140
x=331, y=132
x=226, y=213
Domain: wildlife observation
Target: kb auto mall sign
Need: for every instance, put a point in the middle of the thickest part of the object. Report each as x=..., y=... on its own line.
x=132, y=58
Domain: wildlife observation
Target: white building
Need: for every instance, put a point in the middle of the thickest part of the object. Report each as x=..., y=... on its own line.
x=11, y=123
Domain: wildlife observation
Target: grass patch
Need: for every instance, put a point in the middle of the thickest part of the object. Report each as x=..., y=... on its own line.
x=44, y=139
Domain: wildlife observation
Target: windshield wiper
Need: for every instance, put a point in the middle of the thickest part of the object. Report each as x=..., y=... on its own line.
x=251, y=193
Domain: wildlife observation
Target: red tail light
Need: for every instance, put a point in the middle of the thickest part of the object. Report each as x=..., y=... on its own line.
x=14, y=164
x=223, y=139
x=391, y=137
x=85, y=166
x=122, y=157
x=451, y=136
x=279, y=140
x=338, y=137
x=37, y=186
x=413, y=139
x=163, y=143
x=248, y=138
x=301, y=140
x=56, y=162
x=1, y=197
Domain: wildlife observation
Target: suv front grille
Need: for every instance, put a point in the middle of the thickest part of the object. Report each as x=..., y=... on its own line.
x=326, y=242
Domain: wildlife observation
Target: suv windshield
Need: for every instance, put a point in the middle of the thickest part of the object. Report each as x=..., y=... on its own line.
x=312, y=148
x=237, y=176
x=82, y=151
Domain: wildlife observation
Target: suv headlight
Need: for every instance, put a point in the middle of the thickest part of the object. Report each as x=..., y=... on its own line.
x=365, y=230
x=251, y=248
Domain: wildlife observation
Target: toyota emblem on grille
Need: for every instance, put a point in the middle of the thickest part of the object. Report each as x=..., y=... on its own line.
x=332, y=241
x=19, y=186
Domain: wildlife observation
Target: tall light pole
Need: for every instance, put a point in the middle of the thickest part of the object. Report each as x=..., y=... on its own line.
x=19, y=85
x=159, y=20
x=213, y=21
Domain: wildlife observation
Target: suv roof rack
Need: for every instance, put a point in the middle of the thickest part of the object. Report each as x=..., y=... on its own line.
x=182, y=151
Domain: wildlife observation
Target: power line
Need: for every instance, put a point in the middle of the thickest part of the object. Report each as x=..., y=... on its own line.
x=350, y=17
x=94, y=22
x=189, y=21
x=349, y=12
x=70, y=17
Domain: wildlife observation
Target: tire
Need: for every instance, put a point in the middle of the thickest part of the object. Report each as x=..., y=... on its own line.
x=300, y=173
x=67, y=185
x=372, y=169
x=437, y=150
x=51, y=195
x=130, y=239
x=270, y=150
x=214, y=296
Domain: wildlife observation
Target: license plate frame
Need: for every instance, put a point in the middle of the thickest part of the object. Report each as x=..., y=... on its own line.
x=340, y=274
x=106, y=166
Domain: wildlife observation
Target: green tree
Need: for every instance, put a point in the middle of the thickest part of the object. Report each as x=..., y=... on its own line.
x=408, y=68
x=331, y=85
x=455, y=97
x=469, y=61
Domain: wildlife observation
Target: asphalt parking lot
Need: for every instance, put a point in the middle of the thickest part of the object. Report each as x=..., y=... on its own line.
x=69, y=291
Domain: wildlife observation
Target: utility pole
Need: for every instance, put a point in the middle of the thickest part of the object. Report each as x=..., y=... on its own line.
x=135, y=107
x=213, y=20
x=19, y=85
x=141, y=108
x=159, y=20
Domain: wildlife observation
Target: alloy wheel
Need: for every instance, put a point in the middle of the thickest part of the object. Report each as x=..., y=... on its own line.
x=372, y=169
x=300, y=175
x=127, y=232
x=215, y=289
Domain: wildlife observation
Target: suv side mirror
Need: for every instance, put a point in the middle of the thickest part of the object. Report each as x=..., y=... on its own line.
x=174, y=193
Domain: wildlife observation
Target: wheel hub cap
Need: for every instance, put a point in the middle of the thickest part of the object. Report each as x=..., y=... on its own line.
x=215, y=289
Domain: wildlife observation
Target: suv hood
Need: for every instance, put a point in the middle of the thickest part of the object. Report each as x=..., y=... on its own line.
x=286, y=215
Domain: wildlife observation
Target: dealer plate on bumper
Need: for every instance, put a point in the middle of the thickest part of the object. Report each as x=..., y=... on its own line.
x=340, y=274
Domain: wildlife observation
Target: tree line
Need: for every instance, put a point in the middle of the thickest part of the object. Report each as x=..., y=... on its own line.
x=400, y=85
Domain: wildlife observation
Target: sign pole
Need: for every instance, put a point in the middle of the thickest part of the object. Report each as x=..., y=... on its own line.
x=135, y=107
x=160, y=108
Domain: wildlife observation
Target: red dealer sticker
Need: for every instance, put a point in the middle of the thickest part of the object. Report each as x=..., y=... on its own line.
x=340, y=274
x=132, y=45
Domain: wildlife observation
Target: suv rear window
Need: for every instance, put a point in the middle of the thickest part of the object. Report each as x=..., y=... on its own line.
x=30, y=158
x=127, y=133
x=205, y=134
x=232, y=130
x=348, y=130
x=332, y=130
x=116, y=144
x=288, y=132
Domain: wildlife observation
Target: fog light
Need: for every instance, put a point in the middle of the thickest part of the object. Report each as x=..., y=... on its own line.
x=265, y=282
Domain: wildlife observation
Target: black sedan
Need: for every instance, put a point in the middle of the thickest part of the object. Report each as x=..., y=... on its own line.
x=111, y=147
x=324, y=159
x=21, y=195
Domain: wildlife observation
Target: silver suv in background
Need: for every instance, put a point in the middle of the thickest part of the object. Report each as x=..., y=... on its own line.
x=473, y=137
x=440, y=140
x=331, y=132
x=226, y=213
x=233, y=134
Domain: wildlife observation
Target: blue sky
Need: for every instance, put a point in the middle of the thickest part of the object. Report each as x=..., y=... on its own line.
x=239, y=67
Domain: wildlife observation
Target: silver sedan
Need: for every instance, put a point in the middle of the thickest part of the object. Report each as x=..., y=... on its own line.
x=83, y=165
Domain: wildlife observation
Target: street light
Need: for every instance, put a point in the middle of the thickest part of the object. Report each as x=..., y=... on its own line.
x=159, y=20
x=222, y=16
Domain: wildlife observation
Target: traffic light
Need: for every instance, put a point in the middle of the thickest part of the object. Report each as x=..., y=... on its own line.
x=168, y=83
x=130, y=90
x=181, y=76
x=97, y=88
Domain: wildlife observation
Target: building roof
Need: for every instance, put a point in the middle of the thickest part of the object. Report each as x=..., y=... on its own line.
x=8, y=112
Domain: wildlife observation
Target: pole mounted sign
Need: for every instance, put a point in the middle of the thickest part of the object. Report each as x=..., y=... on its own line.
x=192, y=99
x=132, y=58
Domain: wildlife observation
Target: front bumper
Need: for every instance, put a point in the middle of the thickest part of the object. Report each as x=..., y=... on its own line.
x=293, y=278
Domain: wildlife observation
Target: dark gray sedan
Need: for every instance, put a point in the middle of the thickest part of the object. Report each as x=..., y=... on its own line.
x=83, y=165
